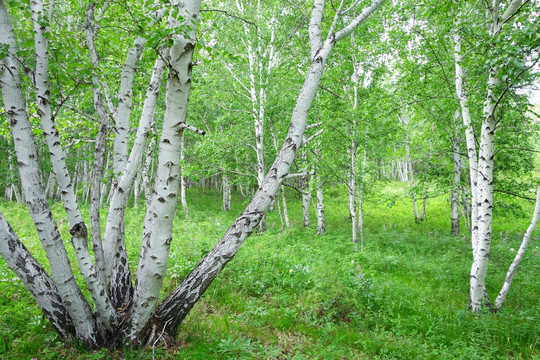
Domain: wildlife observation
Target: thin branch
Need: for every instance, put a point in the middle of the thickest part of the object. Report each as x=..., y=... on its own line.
x=231, y=15
x=295, y=188
x=359, y=19
x=513, y=194
x=89, y=117
x=331, y=92
x=192, y=128
x=308, y=140
x=310, y=126
x=299, y=175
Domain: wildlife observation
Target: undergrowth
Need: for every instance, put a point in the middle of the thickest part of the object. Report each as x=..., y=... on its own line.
x=291, y=294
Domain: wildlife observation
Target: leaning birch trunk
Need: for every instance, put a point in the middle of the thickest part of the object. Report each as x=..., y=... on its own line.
x=34, y=277
x=147, y=172
x=457, y=178
x=285, y=217
x=120, y=189
x=519, y=256
x=70, y=294
x=177, y=305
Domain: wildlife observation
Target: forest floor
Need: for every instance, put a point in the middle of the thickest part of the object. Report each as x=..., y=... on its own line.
x=291, y=294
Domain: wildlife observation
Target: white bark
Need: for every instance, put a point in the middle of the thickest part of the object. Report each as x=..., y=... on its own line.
x=32, y=187
x=147, y=172
x=456, y=157
x=51, y=186
x=353, y=152
x=408, y=159
x=284, y=204
x=321, y=223
x=183, y=200
x=519, y=256
x=305, y=187
x=77, y=227
x=34, y=277
x=99, y=147
x=226, y=188
x=482, y=185
x=123, y=111
x=361, y=192
x=112, y=236
x=160, y=214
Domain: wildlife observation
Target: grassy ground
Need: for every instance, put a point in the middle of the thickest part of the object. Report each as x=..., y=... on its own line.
x=290, y=294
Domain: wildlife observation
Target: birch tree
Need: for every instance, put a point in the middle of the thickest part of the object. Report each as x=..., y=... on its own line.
x=481, y=157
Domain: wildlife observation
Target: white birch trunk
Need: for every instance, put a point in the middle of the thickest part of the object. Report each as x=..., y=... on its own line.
x=34, y=277
x=321, y=224
x=112, y=236
x=482, y=186
x=456, y=157
x=408, y=162
x=361, y=193
x=160, y=214
x=519, y=256
x=426, y=191
x=77, y=227
x=72, y=297
x=226, y=188
x=183, y=200
x=51, y=186
x=147, y=170
x=284, y=204
x=353, y=150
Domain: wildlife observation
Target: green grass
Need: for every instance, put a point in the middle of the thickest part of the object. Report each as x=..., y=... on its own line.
x=290, y=294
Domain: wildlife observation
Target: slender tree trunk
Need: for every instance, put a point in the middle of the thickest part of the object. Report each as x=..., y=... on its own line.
x=519, y=256
x=321, y=224
x=226, y=189
x=284, y=203
x=408, y=163
x=361, y=192
x=454, y=203
x=160, y=214
x=426, y=191
x=352, y=188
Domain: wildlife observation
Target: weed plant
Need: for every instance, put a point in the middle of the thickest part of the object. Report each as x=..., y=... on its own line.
x=291, y=294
